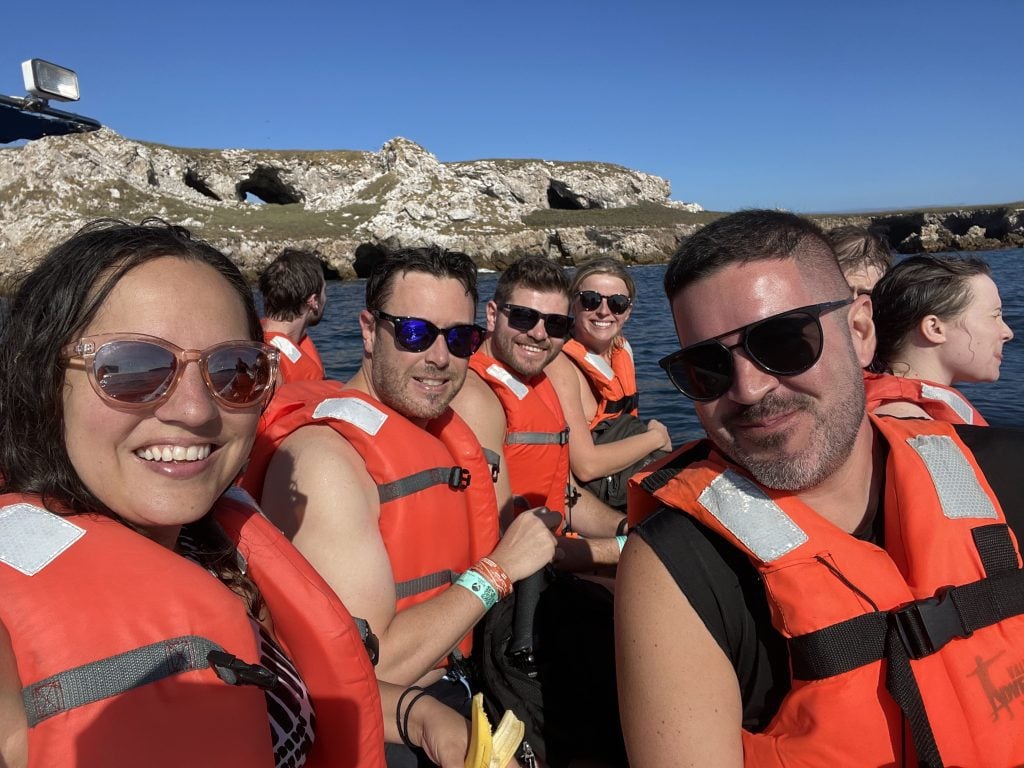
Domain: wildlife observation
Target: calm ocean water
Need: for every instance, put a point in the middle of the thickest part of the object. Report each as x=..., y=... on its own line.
x=652, y=335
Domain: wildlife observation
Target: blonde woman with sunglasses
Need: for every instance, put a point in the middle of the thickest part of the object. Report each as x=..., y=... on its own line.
x=595, y=376
x=150, y=616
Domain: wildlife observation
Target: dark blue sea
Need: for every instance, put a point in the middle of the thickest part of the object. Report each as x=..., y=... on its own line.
x=652, y=335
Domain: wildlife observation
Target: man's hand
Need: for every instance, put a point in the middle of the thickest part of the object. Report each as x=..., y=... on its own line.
x=528, y=544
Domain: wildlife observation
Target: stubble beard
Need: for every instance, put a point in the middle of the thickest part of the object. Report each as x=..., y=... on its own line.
x=828, y=447
x=504, y=349
x=392, y=388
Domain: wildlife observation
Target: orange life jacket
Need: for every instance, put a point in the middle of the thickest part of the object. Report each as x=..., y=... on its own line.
x=940, y=402
x=298, y=363
x=82, y=589
x=853, y=613
x=438, y=511
x=614, y=386
x=536, y=436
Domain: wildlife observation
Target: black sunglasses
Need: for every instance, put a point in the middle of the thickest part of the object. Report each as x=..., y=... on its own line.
x=617, y=302
x=414, y=334
x=784, y=345
x=526, y=318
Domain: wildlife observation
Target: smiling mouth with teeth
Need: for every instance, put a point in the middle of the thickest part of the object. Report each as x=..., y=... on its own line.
x=174, y=453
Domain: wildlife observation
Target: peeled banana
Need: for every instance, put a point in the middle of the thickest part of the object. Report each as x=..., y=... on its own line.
x=487, y=750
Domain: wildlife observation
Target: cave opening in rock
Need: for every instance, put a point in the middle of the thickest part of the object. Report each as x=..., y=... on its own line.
x=194, y=181
x=266, y=186
x=367, y=257
x=561, y=198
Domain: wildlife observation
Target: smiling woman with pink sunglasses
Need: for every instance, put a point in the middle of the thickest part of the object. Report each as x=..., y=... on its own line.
x=150, y=616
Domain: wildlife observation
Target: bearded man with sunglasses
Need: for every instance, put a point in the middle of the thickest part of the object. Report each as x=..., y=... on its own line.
x=508, y=395
x=800, y=596
x=386, y=490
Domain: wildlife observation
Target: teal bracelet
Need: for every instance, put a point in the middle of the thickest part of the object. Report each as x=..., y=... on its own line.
x=479, y=586
x=622, y=541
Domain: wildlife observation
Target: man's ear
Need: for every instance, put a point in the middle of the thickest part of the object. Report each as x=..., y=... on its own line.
x=862, y=329
x=492, y=315
x=932, y=329
x=368, y=330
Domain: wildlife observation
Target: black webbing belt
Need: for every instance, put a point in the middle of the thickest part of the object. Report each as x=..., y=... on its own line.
x=623, y=404
x=917, y=630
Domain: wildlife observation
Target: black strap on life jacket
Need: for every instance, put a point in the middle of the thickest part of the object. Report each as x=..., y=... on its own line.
x=623, y=404
x=698, y=452
x=916, y=630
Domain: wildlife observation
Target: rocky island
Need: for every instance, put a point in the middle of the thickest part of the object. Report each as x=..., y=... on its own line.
x=351, y=207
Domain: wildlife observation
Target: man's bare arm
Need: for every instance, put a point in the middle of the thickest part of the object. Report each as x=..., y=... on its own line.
x=679, y=696
x=318, y=492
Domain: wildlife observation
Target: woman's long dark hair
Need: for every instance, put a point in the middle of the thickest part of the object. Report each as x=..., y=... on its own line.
x=51, y=306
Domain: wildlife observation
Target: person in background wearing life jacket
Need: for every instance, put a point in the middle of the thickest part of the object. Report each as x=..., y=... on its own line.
x=117, y=452
x=821, y=586
x=509, y=397
x=939, y=321
x=387, y=491
x=294, y=298
x=864, y=256
x=595, y=379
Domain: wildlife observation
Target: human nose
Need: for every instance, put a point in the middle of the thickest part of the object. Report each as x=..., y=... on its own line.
x=191, y=402
x=1008, y=335
x=750, y=382
x=437, y=354
x=539, y=330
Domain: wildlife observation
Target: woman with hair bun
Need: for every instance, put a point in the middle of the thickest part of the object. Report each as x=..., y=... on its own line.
x=938, y=321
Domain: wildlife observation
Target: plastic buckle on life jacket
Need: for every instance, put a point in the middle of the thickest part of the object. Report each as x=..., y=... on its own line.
x=370, y=641
x=234, y=671
x=458, y=479
x=927, y=625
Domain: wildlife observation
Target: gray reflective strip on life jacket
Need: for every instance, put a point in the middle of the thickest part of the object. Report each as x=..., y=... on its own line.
x=515, y=386
x=352, y=410
x=32, y=537
x=453, y=477
x=751, y=516
x=288, y=349
x=114, y=675
x=425, y=583
x=600, y=364
x=952, y=399
x=537, y=438
x=960, y=494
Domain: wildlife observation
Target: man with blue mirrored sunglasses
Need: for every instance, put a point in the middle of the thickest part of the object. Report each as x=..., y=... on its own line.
x=388, y=492
x=820, y=585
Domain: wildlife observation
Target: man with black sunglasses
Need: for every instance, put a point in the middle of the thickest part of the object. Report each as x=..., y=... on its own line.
x=819, y=586
x=388, y=492
x=508, y=393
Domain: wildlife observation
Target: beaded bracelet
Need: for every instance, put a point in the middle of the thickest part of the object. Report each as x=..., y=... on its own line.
x=479, y=586
x=495, y=574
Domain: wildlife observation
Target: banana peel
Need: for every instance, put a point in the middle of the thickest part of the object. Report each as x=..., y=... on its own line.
x=493, y=750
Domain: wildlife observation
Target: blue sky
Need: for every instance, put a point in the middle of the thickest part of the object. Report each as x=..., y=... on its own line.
x=822, y=106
